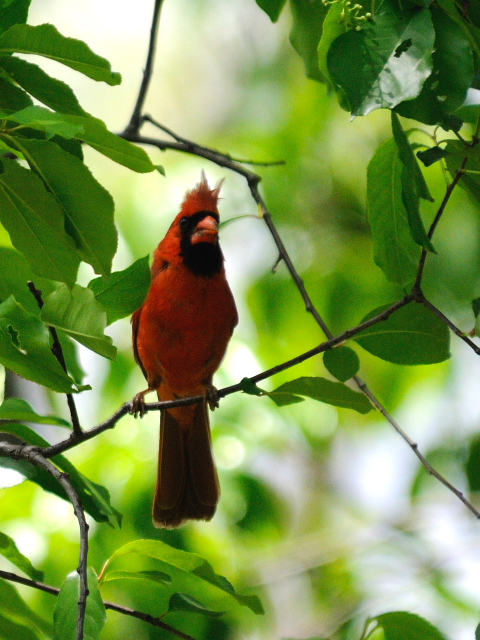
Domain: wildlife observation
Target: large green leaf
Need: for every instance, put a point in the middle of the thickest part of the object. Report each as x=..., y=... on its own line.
x=19, y=409
x=452, y=74
x=53, y=93
x=387, y=60
x=308, y=17
x=190, y=574
x=323, y=390
x=65, y=614
x=35, y=223
x=88, y=207
x=272, y=8
x=45, y=40
x=123, y=292
x=13, y=12
x=333, y=27
x=400, y=625
x=90, y=130
x=25, y=348
x=12, y=98
x=17, y=618
x=184, y=602
x=50, y=123
x=412, y=335
x=94, y=497
x=414, y=186
x=77, y=313
x=9, y=550
x=342, y=362
x=14, y=275
x=394, y=250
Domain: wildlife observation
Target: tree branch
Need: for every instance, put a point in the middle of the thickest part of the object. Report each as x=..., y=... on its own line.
x=136, y=119
x=431, y=231
x=35, y=457
x=76, y=439
x=54, y=591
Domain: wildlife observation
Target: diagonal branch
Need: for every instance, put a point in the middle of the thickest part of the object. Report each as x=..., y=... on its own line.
x=35, y=457
x=54, y=591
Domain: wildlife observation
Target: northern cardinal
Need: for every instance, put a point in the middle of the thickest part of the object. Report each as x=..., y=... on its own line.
x=180, y=336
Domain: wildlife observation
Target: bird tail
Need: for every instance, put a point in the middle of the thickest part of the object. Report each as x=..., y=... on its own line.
x=187, y=481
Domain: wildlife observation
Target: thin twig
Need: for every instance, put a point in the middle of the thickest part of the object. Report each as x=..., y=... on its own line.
x=431, y=231
x=414, y=446
x=75, y=439
x=33, y=455
x=175, y=136
x=58, y=353
x=136, y=119
x=54, y=591
x=452, y=326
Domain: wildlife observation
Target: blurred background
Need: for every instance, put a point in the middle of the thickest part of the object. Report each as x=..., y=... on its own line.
x=325, y=514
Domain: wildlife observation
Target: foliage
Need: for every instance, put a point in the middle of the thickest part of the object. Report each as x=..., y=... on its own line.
x=418, y=59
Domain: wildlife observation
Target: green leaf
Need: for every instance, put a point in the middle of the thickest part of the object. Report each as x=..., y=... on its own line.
x=90, y=130
x=54, y=93
x=280, y=399
x=470, y=182
x=412, y=335
x=251, y=388
x=452, y=74
x=25, y=348
x=414, y=186
x=190, y=574
x=333, y=27
x=21, y=618
x=35, y=224
x=272, y=8
x=44, y=120
x=387, y=61
x=184, y=602
x=476, y=307
x=94, y=497
x=45, y=40
x=394, y=250
x=78, y=314
x=399, y=625
x=153, y=576
x=19, y=409
x=323, y=390
x=431, y=155
x=14, y=275
x=9, y=550
x=123, y=292
x=342, y=362
x=308, y=17
x=13, y=12
x=477, y=632
x=65, y=614
x=407, y=156
x=472, y=465
x=12, y=98
x=87, y=206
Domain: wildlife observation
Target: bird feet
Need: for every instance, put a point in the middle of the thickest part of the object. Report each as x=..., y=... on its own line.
x=212, y=397
x=138, y=404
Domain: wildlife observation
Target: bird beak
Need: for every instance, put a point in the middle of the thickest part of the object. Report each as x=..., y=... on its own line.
x=205, y=231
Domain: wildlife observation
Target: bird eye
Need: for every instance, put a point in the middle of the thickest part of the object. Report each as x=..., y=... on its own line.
x=183, y=223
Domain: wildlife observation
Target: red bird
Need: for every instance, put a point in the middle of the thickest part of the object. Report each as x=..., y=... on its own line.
x=180, y=336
